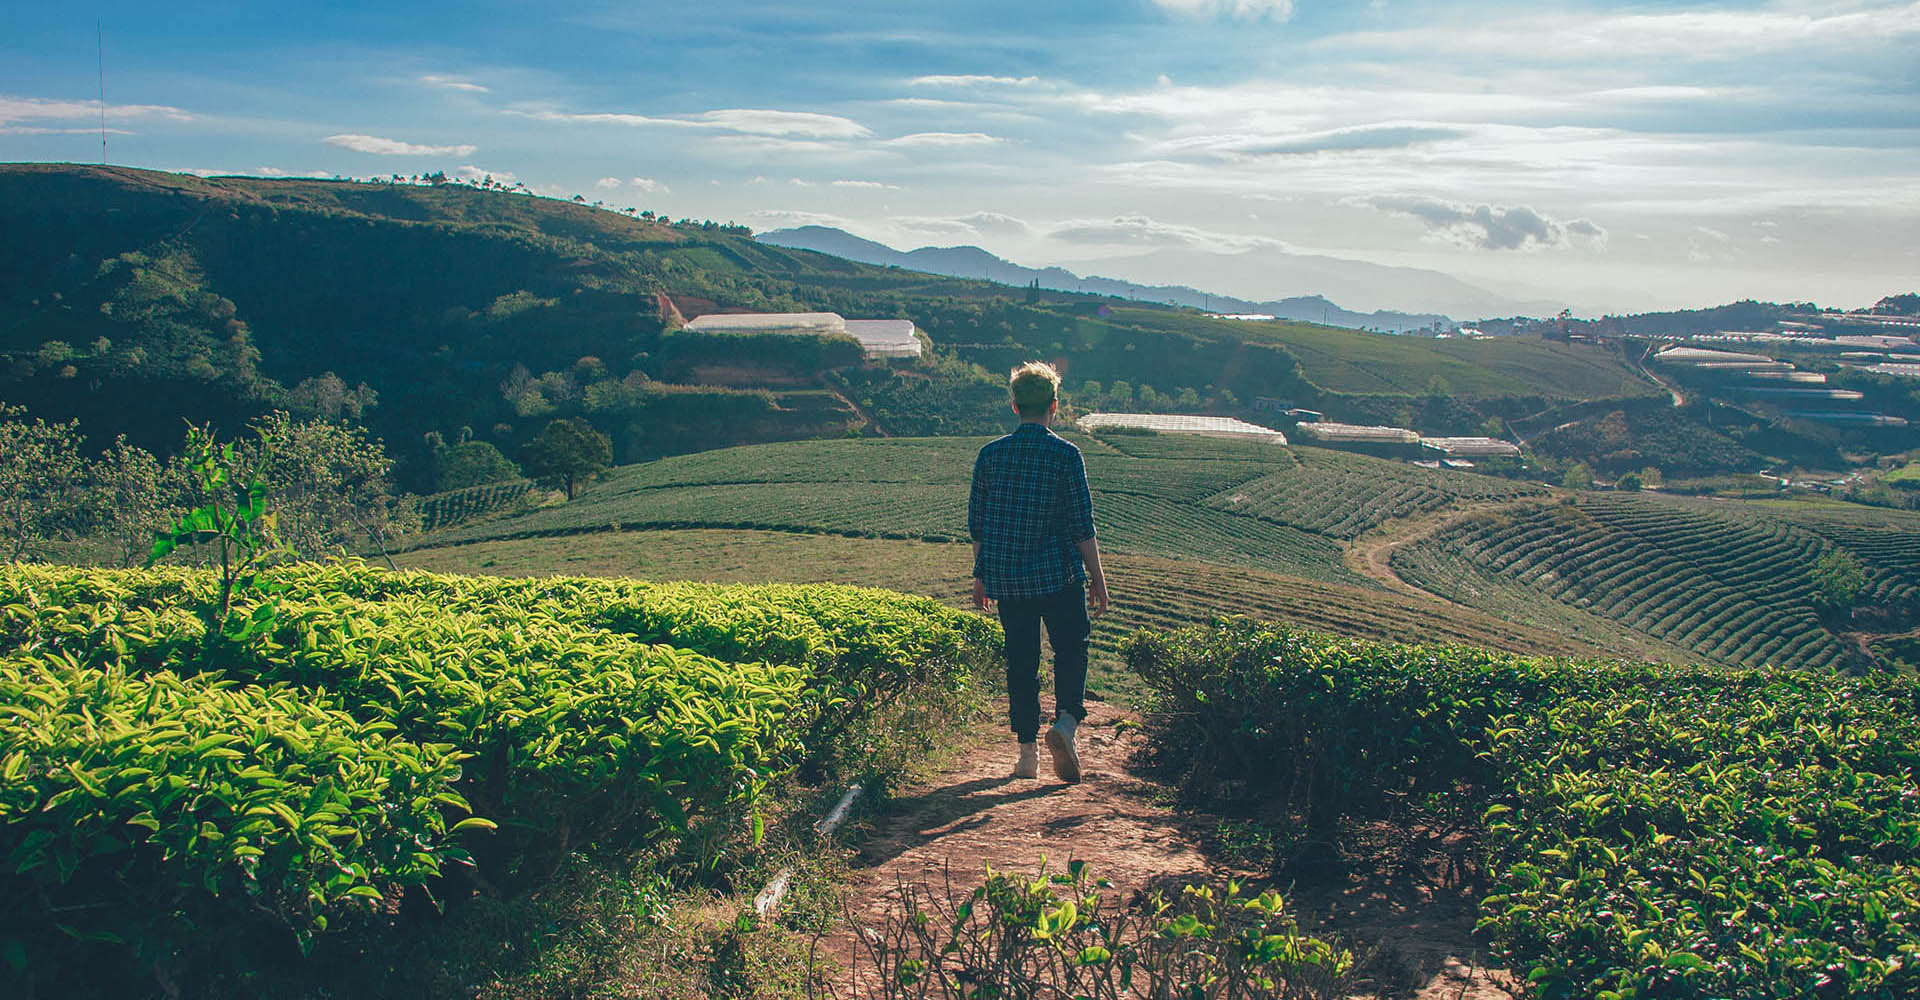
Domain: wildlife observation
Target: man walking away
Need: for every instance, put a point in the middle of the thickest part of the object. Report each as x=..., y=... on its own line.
x=1031, y=518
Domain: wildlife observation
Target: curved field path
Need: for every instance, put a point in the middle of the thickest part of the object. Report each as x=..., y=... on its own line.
x=974, y=814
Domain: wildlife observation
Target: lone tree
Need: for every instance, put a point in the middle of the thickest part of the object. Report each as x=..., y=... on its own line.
x=566, y=451
x=1837, y=581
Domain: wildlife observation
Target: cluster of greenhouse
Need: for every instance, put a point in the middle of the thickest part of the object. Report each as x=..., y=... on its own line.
x=1172, y=423
x=880, y=338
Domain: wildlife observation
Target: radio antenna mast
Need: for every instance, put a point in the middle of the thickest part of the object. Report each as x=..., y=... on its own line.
x=100, y=49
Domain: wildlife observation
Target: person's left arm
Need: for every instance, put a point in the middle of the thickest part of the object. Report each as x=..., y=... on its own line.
x=1080, y=531
x=976, y=525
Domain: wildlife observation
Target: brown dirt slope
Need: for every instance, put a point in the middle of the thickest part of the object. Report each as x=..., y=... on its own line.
x=1417, y=936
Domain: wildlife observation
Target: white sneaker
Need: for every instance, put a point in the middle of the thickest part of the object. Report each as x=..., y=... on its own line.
x=1066, y=762
x=1029, y=766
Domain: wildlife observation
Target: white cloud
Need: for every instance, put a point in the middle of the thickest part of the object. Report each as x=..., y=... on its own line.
x=944, y=139
x=972, y=80
x=785, y=217
x=743, y=121
x=469, y=172
x=874, y=185
x=395, y=147
x=977, y=224
x=452, y=83
x=20, y=109
x=1385, y=135
x=607, y=183
x=1488, y=227
x=1710, y=34
x=1139, y=231
x=786, y=123
x=648, y=185
x=1239, y=10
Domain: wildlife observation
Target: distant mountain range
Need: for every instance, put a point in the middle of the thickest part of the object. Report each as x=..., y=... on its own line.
x=1294, y=269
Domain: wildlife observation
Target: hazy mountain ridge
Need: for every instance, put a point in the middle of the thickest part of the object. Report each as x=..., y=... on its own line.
x=974, y=262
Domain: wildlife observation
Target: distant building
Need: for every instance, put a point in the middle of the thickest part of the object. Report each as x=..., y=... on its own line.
x=1335, y=432
x=887, y=338
x=881, y=338
x=1474, y=447
x=1175, y=423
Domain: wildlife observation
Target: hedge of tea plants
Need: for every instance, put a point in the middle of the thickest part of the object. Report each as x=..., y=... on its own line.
x=159, y=786
x=1651, y=831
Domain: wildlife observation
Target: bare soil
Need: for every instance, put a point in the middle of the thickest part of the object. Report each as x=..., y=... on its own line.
x=1412, y=929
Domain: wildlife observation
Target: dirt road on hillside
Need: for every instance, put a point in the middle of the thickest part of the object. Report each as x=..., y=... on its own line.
x=1123, y=825
x=1371, y=555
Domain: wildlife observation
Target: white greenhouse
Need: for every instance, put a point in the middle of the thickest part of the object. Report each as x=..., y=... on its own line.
x=881, y=338
x=1174, y=423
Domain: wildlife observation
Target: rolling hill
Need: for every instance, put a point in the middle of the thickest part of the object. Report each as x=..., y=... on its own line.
x=132, y=299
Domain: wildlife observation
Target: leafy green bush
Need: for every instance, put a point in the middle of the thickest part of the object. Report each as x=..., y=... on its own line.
x=576, y=713
x=1650, y=830
x=150, y=810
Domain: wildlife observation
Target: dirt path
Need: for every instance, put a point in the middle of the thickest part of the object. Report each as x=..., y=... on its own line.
x=974, y=815
x=1371, y=555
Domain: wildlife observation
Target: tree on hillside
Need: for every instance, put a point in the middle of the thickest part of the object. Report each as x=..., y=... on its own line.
x=1837, y=581
x=331, y=483
x=565, y=452
x=42, y=481
x=471, y=463
x=132, y=496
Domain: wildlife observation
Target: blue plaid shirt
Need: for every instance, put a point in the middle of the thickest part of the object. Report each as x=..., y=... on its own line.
x=1029, y=509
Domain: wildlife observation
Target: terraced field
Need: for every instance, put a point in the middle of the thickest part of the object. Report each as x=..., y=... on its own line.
x=1343, y=495
x=917, y=488
x=1729, y=583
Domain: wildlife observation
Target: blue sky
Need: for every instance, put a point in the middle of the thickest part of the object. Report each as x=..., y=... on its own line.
x=1616, y=157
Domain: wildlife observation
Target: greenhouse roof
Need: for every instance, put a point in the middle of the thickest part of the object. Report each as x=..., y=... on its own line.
x=1173, y=423
x=1326, y=431
x=1484, y=446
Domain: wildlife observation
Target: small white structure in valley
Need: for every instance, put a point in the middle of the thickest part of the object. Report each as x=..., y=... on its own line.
x=800, y=324
x=1474, y=447
x=886, y=338
x=1357, y=433
x=1174, y=423
x=881, y=338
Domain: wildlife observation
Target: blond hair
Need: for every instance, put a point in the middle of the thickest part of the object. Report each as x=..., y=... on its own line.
x=1035, y=387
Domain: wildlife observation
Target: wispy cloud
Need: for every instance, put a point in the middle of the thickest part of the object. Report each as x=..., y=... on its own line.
x=944, y=139
x=871, y=185
x=1140, y=231
x=1489, y=227
x=648, y=184
x=972, y=80
x=22, y=109
x=469, y=172
x=744, y=121
x=1239, y=10
x=453, y=83
x=1392, y=135
x=607, y=183
x=395, y=147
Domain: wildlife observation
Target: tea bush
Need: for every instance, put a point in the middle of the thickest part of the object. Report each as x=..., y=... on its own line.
x=386, y=729
x=1662, y=831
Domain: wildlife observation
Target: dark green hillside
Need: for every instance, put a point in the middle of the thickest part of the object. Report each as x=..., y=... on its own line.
x=132, y=298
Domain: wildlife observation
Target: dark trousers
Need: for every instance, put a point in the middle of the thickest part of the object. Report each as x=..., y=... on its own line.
x=1065, y=614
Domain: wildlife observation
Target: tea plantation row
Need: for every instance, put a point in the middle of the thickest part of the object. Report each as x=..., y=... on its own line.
x=163, y=793
x=1649, y=831
x=1731, y=581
